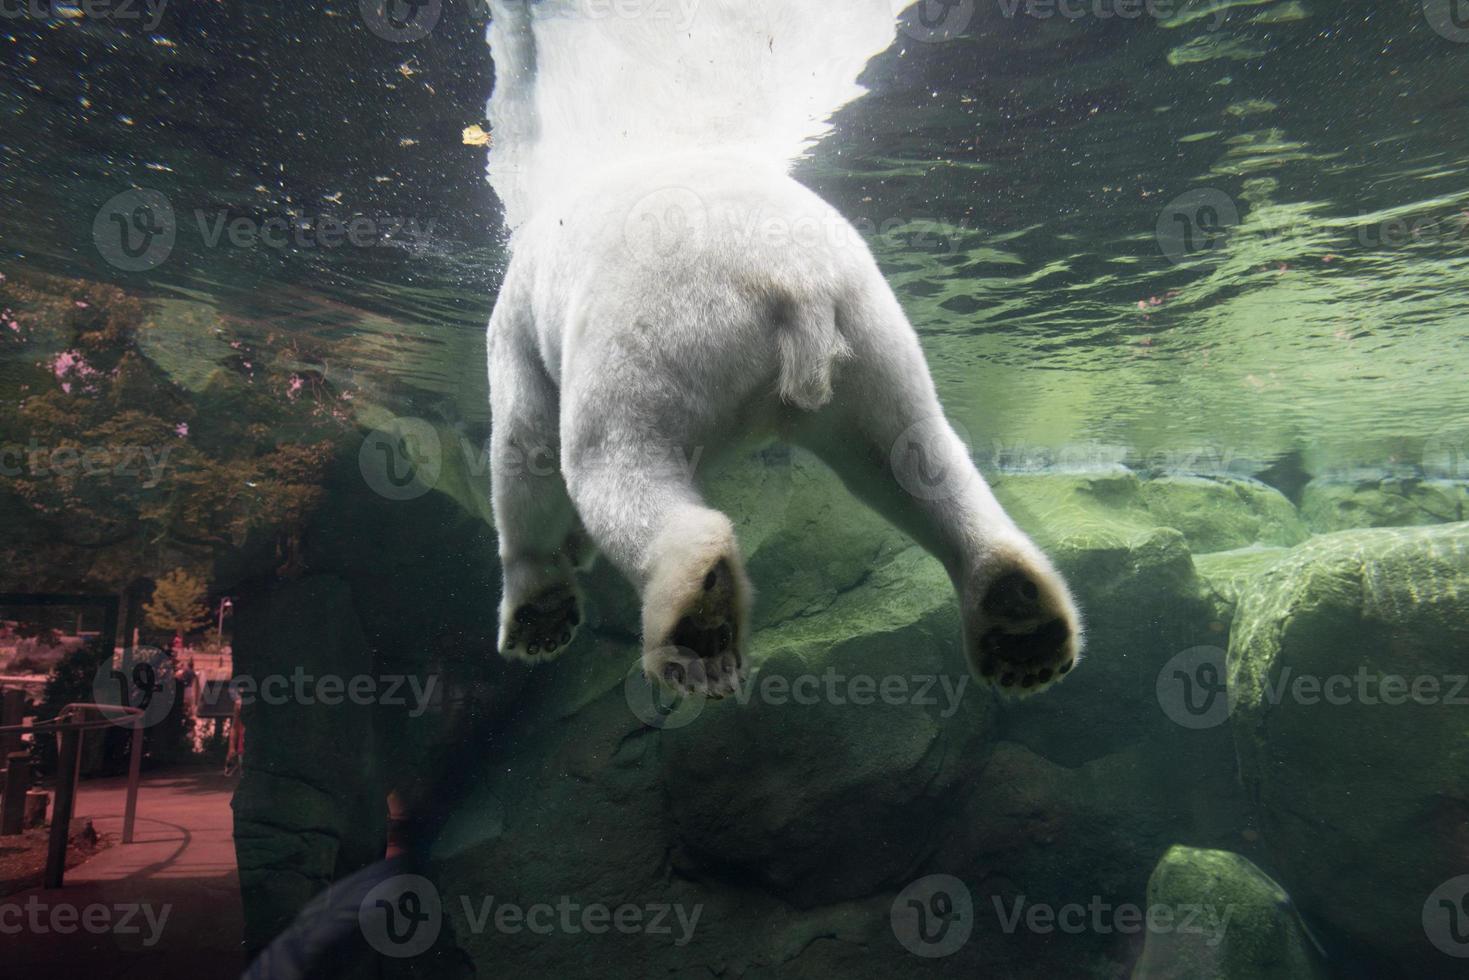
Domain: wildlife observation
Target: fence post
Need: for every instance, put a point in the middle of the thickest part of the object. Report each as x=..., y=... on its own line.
x=17, y=784
x=66, y=768
x=12, y=708
x=135, y=770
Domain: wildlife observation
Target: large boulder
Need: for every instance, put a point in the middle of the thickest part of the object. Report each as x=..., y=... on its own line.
x=1338, y=505
x=1346, y=677
x=784, y=817
x=1213, y=915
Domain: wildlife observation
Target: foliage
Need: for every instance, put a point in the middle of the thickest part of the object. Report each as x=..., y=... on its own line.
x=114, y=472
x=177, y=605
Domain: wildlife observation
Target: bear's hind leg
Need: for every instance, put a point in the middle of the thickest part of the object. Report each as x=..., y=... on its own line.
x=540, y=610
x=885, y=435
x=640, y=506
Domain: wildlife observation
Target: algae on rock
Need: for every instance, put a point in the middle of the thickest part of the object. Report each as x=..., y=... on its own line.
x=1346, y=667
x=1213, y=915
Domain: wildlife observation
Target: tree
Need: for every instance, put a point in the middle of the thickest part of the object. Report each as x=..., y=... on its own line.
x=177, y=605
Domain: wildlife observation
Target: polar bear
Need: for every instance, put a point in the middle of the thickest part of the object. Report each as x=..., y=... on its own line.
x=679, y=310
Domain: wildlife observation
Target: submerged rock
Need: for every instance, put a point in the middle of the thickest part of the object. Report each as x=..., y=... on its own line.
x=1334, y=505
x=1213, y=513
x=1218, y=513
x=1227, y=573
x=1347, y=679
x=1213, y=915
x=1140, y=599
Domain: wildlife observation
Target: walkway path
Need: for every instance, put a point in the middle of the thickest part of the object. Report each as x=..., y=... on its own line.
x=165, y=906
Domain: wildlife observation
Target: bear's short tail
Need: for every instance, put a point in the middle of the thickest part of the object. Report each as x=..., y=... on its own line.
x=810, y=347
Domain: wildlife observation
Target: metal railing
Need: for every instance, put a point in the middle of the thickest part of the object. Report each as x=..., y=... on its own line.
x=69, y=724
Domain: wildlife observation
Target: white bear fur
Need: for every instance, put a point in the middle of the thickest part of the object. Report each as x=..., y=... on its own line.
x=677, y=309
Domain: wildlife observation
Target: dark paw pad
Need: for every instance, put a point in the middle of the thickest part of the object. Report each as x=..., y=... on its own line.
x=1013, y=596
x=544, y=626
x=702, y=653
x=1026, y=661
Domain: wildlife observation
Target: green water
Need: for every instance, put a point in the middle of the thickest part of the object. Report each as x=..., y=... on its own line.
x=1225, y=247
